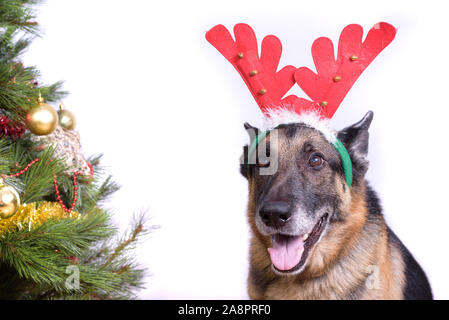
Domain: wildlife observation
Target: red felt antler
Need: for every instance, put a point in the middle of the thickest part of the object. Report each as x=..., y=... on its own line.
x=266, y=85
x=334, y=78
x=327, y=88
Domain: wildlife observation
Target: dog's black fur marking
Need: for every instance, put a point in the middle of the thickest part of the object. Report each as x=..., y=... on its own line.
x=291, y=131
x=244, y=169
x=372, y=201
x=417, y=286
x=259, y=280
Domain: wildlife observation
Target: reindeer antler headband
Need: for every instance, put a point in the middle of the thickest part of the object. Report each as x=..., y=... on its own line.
x=326, y=88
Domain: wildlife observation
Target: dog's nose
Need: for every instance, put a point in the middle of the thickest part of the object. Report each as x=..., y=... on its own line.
x=275, y=213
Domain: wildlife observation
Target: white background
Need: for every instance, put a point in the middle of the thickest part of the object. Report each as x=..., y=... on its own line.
x=167, y=111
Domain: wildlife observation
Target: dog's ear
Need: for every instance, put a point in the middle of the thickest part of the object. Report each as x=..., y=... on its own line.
x=355, y=138
x=252, y=132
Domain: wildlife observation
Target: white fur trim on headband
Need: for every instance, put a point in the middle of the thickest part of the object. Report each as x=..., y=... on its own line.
x=275, y=117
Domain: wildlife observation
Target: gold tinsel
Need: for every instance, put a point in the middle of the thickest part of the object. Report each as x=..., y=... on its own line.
x=34, y=214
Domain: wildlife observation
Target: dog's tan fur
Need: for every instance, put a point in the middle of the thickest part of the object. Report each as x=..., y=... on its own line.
x=343, y=265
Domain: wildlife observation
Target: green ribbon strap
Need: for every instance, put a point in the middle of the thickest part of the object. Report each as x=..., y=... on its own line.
x=345, y=160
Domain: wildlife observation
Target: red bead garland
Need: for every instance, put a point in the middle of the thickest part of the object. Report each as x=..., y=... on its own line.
x=91, y=172
x=75, y=192
x=24, y=169
x=55, y=183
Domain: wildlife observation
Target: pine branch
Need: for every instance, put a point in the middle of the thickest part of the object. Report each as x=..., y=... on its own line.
x=124, y=244
x=35, y=254
x=41, y=256
x=19, y=88
x=18, y=13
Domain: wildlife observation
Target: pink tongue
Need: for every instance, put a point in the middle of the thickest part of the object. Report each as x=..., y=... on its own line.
x=286, y=252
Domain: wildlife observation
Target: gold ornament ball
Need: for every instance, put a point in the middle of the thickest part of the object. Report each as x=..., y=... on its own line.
x=42, y=120
x=9, y=201
x=66, y=118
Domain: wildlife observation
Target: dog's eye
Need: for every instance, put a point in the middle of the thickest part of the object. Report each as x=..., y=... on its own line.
x=316, y=161
x=263, y=162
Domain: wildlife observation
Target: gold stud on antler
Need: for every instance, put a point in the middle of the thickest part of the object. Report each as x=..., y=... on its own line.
x=353, y=57
x=253, y=73
x=323, y=104
x=262, y=91
x=240, y=55
x=337, y=78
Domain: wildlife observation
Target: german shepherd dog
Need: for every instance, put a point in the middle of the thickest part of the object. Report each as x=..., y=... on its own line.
x=313, y=237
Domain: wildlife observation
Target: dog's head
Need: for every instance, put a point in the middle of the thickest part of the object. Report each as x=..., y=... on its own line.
x=293, y=207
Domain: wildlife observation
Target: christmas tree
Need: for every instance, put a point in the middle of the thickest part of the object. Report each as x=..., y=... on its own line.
x=56, y=238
